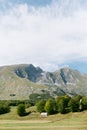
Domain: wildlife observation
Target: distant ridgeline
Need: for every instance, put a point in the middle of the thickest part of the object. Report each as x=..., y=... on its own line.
x=21, y=82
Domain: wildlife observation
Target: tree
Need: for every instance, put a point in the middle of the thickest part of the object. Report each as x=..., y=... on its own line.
x=4, y=108
x=61, y=106
x=78, y=99
x=50, y=106
x=41, y=105
x=84, y=103
x=21, y=110
x=62, y=103
x=74, y=105
x=66, y=100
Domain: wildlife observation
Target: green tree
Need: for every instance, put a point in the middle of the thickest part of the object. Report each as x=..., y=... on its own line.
x=21, y=110
x=78, y=99
x=41, y=105
x=61, y=106
x=50, y=106
x=62, y=103
x=66, y=100
x=74, y=105
x=4, y=108
x=58, y=101
x=84, y=103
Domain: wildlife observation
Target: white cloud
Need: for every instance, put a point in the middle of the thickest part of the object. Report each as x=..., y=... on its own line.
x=44, y=36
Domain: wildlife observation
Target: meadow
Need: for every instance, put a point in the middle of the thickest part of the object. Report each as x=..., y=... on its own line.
x=33, y=121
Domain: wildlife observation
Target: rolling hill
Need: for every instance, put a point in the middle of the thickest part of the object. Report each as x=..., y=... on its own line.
x=19, y=81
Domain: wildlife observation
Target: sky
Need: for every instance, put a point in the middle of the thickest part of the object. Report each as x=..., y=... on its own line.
x=46, y=33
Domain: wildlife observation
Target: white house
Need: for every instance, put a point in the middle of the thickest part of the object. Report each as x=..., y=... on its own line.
x=44, y=114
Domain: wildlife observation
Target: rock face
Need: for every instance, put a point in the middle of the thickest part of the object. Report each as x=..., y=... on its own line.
x=29, y=72
x=23, y=80
x=66, y=80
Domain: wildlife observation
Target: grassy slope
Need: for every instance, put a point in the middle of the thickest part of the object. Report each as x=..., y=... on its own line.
x=71, y=121
x=10, y=83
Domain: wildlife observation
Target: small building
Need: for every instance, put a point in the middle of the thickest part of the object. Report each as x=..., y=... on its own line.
x=44, y=114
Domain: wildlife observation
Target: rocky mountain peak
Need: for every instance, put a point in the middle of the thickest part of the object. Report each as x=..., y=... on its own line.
x=27, y=79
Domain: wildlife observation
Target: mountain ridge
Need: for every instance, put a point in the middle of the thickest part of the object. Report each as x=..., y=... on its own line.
x=25, y=79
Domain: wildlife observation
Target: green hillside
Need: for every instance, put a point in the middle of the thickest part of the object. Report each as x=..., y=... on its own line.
x=19, y=81
x=70, y=121
x=14, y=87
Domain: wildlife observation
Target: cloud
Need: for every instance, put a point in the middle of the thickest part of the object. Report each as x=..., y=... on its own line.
x=46, y=36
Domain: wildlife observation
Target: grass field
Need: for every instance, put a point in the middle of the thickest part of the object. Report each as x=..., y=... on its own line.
x=70, y=121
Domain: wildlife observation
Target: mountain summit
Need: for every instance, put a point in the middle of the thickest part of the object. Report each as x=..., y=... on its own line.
x=19, y=81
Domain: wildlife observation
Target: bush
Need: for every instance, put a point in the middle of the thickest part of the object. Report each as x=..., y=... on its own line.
x=77, y=98
x=21, y=110
x=66, y=100
x=62, y=103
x=14, y=102
x=58, y=100
x=41, y=106
x=4, y=108
x=84, y=103
x=74, y=105
x=61, y=106
x=50, y=106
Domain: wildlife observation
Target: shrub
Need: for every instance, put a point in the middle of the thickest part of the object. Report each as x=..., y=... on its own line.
x=41, y=106
x=62, y=103
x=50, y=106
x=61, y=106
x=74, y=105
x=4, y=108
x=84, y=103
x=21, y=110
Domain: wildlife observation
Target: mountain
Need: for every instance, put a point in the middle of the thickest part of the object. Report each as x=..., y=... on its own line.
x=20, y=81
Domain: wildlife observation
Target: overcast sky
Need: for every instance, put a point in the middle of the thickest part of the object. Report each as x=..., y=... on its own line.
x=47, y=33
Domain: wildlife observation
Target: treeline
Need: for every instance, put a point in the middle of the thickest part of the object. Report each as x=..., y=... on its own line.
x=62, y=104
x=5, y=105
x=14, y=102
